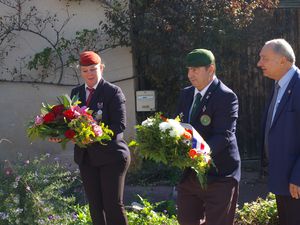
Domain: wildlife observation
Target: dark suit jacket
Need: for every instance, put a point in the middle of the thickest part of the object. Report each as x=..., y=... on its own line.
x=284, y=140
x=220, y=104
x=110, y=100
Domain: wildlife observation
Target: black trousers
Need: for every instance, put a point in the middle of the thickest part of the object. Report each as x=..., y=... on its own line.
x=104, y=187
x=214, y=205
x=288, y=210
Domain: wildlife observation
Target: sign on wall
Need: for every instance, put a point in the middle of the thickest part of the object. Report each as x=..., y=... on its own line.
x=145, y=101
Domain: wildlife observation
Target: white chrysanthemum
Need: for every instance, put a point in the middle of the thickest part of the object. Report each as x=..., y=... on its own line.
x=176, y=125
x=174, y=133
x=148, y=122
x=163, y=126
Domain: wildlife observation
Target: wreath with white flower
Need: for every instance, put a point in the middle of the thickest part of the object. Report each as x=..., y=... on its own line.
x=168, y=141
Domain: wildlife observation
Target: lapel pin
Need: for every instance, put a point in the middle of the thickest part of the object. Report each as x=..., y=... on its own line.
x=289, y=91
x=100, y=105
x=98, y=115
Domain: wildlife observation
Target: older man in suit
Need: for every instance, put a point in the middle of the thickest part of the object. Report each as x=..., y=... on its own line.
x=281, y=150
x=212, y=109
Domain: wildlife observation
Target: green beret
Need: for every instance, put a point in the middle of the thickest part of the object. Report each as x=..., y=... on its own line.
x=199, y=57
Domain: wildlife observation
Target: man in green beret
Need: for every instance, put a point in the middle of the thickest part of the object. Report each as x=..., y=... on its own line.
x=212, y=109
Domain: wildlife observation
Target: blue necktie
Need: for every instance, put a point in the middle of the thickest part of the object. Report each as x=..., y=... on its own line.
x=270, y=117
x=195, y=106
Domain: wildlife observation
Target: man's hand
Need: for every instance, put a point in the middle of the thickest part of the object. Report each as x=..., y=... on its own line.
x=295, y=191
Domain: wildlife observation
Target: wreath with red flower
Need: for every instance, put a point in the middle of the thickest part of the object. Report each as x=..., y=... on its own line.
x=68, y=122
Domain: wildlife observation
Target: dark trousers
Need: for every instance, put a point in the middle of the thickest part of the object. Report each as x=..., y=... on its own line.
x=214, y=205
x=288, y=210
x=104, y=187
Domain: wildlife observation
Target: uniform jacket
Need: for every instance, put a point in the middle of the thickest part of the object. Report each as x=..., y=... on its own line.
x=109, y=102
x=215, y=121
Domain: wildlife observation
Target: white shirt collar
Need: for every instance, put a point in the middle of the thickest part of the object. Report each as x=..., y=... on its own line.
x=203, y=91
x=287, y=77
x=95, y=86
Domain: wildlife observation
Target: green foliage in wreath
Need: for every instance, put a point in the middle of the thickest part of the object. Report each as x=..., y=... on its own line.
x=159, y=146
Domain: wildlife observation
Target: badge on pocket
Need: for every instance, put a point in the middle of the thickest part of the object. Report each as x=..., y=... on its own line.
x=205, y=120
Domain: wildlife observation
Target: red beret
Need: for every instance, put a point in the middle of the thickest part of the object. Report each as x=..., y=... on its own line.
x=88, y=58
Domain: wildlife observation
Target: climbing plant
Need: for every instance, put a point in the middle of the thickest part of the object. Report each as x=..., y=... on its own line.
x=61, y=53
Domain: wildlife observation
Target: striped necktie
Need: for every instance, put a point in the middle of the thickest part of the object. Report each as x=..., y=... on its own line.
x=91, y=92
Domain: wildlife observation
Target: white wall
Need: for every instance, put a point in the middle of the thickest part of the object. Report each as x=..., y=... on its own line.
x=21, y=101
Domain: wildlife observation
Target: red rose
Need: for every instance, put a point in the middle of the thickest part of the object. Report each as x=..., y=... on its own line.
x=58, y=109
x=70, y=134
x=69, y=114
x=49, y=117
x=192, y=153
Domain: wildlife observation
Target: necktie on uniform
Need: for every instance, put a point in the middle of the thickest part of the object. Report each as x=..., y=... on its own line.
x=270, y=116
x=91, y=92
x=195, y=106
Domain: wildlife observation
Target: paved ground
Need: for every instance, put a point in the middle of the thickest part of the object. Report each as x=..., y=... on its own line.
x=252, y=186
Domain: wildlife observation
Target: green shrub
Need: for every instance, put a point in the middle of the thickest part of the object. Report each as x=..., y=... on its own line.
x=36, y=192
x=82, y=215
x=259, y=212
x=168, y=207
x=147, y=215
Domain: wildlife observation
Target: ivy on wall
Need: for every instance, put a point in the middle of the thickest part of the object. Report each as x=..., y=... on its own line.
x=61, y=53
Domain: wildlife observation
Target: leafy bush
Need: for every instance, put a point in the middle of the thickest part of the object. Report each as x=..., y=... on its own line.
x=259, y=212
x=36, y=192
x=147, y=216
x=168, y=207
x=82, y=215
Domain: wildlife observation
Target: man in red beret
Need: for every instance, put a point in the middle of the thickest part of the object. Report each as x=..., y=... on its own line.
x=103, y=167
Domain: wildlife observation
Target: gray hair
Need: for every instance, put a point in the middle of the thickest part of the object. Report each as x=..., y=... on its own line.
x=282, y=47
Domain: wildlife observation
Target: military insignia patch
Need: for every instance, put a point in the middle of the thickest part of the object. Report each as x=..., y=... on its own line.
x=205, y=120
